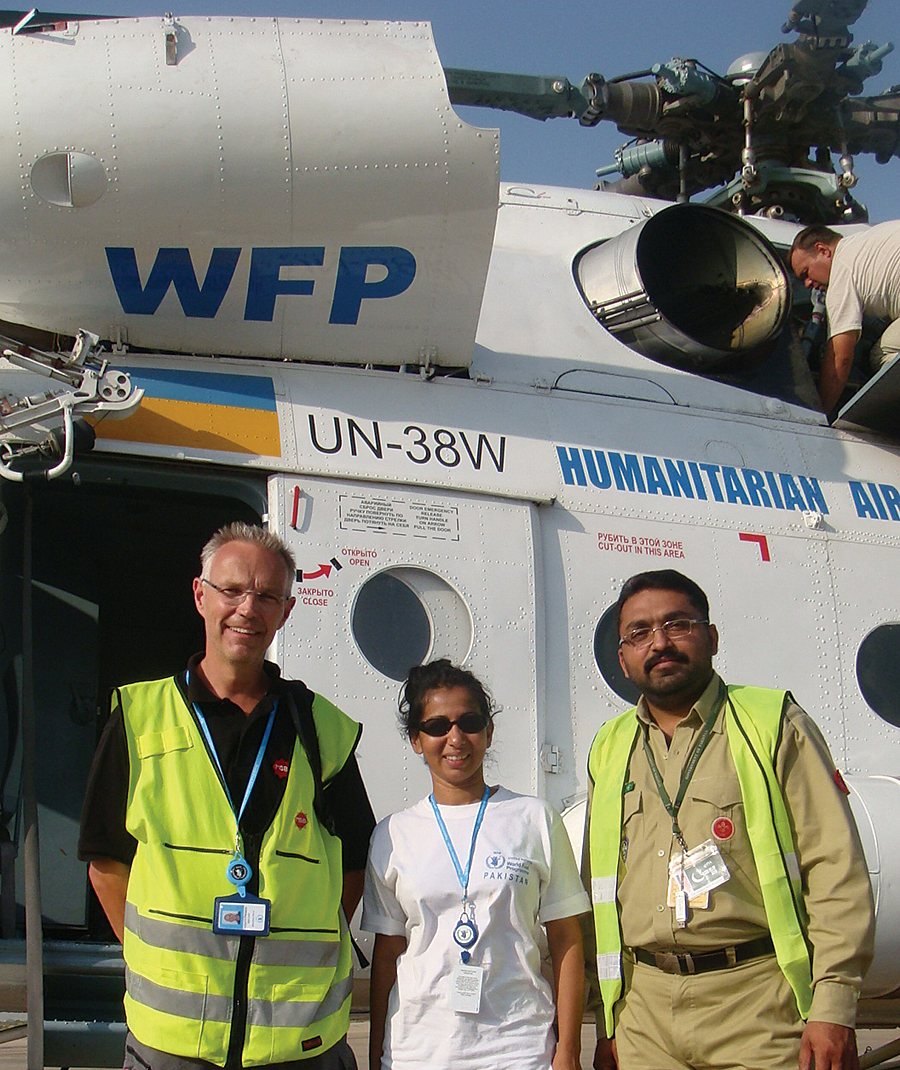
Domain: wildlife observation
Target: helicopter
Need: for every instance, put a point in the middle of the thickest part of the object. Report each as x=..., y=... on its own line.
x=763, y=136
x=303, y=297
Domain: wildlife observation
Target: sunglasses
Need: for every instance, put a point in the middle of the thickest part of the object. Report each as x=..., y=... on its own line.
x=470, y=724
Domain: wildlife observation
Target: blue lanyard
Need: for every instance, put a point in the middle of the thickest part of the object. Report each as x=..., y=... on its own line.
x=254, y=773
x=460, y=873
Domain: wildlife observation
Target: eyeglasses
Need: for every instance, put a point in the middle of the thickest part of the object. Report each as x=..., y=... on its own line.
x=672, y=629
x=235, y=595
x=470, y=724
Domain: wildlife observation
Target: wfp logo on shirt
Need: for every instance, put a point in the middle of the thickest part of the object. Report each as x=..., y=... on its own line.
x=498, y=867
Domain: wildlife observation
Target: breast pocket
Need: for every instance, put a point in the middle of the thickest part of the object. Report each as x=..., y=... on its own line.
x=717, y=813
x=632, y=812
x=158, y=744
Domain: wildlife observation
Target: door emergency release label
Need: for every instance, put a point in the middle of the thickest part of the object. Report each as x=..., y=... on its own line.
x=398, y=516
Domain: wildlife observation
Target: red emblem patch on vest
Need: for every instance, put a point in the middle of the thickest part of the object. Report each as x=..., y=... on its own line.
x=841, y=783
x=310, y=1043
x=280, y=768
x=723, y=828
x=301, y=820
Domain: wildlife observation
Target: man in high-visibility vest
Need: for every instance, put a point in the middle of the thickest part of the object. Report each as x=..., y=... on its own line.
x=226, y=826
x=731, y=904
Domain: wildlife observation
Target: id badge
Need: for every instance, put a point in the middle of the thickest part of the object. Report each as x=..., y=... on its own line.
x=236, y=915
x=703, y=869
x=676, y=879
x=465, y=995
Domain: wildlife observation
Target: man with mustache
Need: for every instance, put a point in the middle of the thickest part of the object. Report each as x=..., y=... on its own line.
x=732, y=908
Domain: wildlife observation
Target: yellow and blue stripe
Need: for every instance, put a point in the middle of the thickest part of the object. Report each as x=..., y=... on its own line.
x=201, y=410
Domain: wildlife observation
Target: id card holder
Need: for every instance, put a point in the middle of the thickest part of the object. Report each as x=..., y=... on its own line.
x=236, y=915
x=676, y=895
x=465, y=994
x=704, y=869
x=676, y=884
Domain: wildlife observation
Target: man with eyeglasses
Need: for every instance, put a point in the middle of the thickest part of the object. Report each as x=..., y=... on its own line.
x=731, y=903
x=226, y=826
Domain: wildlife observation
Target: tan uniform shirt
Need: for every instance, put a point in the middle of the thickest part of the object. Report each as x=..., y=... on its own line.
x=835, y=880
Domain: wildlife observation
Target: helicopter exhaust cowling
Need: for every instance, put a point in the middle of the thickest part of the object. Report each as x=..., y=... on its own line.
x=692, y=286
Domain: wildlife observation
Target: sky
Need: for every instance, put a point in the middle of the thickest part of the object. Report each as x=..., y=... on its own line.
x=573, y=38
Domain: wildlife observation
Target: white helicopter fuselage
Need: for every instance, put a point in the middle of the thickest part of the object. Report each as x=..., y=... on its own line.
x=319, y=270
x=510, y=505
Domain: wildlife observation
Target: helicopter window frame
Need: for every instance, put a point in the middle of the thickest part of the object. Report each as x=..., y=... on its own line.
x=393, y=603
x=605, y=649
x=876, y=661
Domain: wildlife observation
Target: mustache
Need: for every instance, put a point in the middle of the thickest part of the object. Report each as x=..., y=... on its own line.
x=669, y=655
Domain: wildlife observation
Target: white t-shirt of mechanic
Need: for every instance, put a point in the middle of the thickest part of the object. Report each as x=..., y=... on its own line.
x=865, y=278
x=523, y=873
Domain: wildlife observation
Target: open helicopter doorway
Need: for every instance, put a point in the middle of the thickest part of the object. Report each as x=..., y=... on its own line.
x=112, y=564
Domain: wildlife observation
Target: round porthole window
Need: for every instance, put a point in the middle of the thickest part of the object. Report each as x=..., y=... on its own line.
x=876, y=671
x=68, y=179
x=405, y=616
x=606, y=655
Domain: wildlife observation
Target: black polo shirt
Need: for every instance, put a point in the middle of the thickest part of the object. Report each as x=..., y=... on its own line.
x=237, y=737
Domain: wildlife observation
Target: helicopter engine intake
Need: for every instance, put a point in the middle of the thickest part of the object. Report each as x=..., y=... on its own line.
x=692, y=286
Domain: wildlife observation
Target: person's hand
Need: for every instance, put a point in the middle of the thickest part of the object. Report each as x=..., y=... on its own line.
x=605, y=1056
x=827, y=1046
x=565, y=1061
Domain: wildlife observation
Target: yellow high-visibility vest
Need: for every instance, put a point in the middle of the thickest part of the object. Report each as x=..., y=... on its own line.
x=180, y=975
x=752, y=727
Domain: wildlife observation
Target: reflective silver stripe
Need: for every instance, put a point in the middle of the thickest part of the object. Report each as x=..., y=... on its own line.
x=603, y=889
x=793, y=867
x=609, y=967
x=303, y=953
x=338, y=994
x=174, y=936
x=297, y=1014
x=198, y=1006
x=196, y=941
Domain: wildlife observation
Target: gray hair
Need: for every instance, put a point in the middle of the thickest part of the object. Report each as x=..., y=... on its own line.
x=257, y=536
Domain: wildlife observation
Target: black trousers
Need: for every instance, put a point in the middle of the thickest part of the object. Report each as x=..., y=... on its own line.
x=139, y=1057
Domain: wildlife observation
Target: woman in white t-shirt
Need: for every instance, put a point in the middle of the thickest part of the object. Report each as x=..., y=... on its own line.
x=460, y=889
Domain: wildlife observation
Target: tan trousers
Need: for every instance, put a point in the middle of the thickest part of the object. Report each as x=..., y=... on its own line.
x=886, y=348
x=743, y=1018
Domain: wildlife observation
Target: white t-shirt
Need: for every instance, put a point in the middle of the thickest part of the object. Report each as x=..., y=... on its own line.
x=523, y=874
x=865, y=278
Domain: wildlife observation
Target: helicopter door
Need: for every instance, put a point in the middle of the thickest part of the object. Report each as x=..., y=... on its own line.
x=390, y=577
x=762, y=587
x=112, y=562
x=875, y=405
